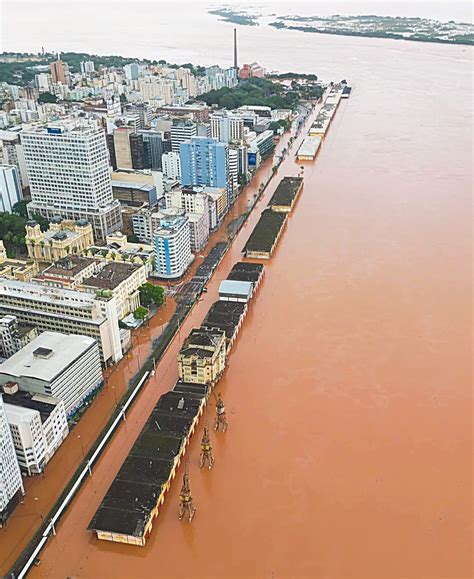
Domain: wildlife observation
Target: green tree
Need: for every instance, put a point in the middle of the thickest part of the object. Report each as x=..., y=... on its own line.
x=227, y=101
x=47, y=97
x=123, y=98
x=151, y=294
x=140, y=313
x=42, y=221
x=20, y=208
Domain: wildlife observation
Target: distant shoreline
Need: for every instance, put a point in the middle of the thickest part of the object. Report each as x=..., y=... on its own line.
x=414, y=29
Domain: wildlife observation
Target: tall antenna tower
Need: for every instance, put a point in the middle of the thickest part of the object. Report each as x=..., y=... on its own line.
x=235, y=50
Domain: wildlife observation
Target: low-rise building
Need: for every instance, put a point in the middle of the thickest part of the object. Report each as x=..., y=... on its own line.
x=117, y=248
x=14, y=336
x=122, y=281
x=62, y=238
x=66, y=367
x=38, y=425
x=235, y=291
x=68, y=272
x=20, y=269
x=66, y=311
x=202, y=358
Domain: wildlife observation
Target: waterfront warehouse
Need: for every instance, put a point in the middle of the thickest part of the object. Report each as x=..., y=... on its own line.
x=244, y=271
x=264, y=237
x=227, y=316
x=309, y=148
x=133, y=500
x=285, y=194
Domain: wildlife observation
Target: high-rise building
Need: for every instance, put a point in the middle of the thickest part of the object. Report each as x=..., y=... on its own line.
x=181, y=131
x=196, y=205
x=11, y=484
x=10, y=188
x=171, y=165
x=227, y=127
x=68, y=170
x=58, y=72
x=153, y=143
x=205, y=162
x=137, y=151
x=14, y=336
x=233, y=155
x=172, y=245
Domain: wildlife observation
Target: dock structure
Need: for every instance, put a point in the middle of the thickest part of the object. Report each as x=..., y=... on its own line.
x=321, y=124
x=264, y=238
x=309, y=148
x=226, y=316
x=245, y=271
x=134, y=498
x=286, y=194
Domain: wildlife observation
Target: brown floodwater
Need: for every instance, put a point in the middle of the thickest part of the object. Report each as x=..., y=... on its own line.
x=348, y=453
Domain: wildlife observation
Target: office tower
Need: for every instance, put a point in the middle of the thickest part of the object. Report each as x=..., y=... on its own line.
x=226, y=127
x=10, y=188
x=181, y=131
x=14, y=336
x=11, y=484
x=68, y=170
x=171, y=165
x=172, y=245
x=205, y=162
x=233, y=156
x=58, y=72
x=137, y=151
x=153, y=144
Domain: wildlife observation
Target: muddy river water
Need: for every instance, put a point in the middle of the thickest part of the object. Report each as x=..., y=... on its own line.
x=348, y=453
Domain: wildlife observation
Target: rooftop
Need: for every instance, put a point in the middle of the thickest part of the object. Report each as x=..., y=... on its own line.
x=236, y=288
x=68, y=266
x=286, y=191
x=112, y=275
x=265, y=233
x=61, y=350
x=43, y=404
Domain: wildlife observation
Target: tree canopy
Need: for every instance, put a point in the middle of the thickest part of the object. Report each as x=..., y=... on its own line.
x=47, y=97
x=151, y=294
x=140, y=313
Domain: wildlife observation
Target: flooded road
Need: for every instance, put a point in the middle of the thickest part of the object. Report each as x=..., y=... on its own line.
x=348, y=453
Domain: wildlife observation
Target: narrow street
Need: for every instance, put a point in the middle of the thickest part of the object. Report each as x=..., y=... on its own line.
x=43, y=491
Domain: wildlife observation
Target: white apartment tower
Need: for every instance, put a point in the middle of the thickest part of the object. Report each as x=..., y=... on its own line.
x=11, y=484
x=226, y=128
x=10, y=188
x=172, y=245
x=171, y=164
x=68, y=171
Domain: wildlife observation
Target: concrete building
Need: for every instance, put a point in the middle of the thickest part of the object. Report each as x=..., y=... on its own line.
x=38, y=425
x=10, y=188
x=13, y=154
x=171, y=165
x=68, y=272
x=198, y=230
x=122, y=281
x=196, y=205
x=172, y=245
x=14, y=336
x=58, y=72
x=154, y=149
x=66, y=367
x=131, y=71
x=87, y=67
x=11, y=483
x=181, y=131
x=123, y=153
x=260, y=148
x=202, y=358
x=62, y=238
x=67, y=311
x=68, y=170
x=226, y=127
x=128, y=192
x=205, y=162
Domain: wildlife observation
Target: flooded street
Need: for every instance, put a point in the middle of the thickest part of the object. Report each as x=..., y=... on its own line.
x=348, y=453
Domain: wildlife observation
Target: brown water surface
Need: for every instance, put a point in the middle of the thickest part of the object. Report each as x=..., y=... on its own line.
x=349, y=447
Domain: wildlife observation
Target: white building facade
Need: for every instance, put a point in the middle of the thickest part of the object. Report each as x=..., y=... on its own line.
x=68, y=171
x=66, y=367
x=10, y=188
x=171, y=165
x=11, y=484
x=172, y=246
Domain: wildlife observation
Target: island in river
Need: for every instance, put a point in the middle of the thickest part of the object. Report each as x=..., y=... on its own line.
x=397, y=28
